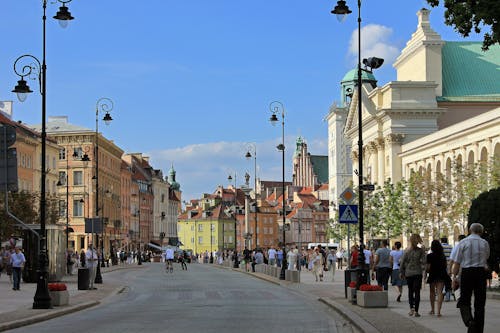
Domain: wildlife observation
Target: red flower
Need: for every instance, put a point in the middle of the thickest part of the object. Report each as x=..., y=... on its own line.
x=352, y=284
x=57, y=286
x=369, y=287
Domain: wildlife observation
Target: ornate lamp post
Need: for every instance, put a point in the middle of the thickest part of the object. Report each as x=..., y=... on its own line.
x=236, y=263
x=103, y=104
x=277, y=107
x=341, y=11
x=41, y=299
x=252, y=152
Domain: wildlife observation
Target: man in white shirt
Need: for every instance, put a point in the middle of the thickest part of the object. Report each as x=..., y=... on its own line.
x=91, y=256
x=471, y=258
x=271, y=255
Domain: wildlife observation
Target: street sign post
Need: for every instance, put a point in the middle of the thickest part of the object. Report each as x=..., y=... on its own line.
x=348, y=213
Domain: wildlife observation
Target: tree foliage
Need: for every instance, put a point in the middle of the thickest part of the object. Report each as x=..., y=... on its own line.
x=485, y=209
x=473, y=15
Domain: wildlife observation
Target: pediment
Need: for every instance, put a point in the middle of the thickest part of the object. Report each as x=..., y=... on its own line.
x=368, y=110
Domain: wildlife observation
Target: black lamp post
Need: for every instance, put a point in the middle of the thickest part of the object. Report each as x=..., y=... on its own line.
x=252, y=151
x=236, y=262
x=341, y=10
x=277, y=107
x=103, y=104
x=41, y=299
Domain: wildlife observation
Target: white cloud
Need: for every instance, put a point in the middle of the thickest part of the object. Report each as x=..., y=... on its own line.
x=202, y=167
x=375, y=42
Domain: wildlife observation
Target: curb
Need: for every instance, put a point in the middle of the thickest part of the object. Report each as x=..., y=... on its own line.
x=353, y=318
x=46, y=316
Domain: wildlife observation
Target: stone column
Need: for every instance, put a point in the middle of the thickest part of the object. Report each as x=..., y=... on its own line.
x=381, y=161
x=393, y=144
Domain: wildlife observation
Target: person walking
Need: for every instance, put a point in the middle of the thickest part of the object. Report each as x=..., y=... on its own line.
x=279, y=257
x=353, y=260
x=438, y=275
x=271, y=254
x=383, y=265
x=471, y=258
x=412, y=264
x=317, y=265
x=17, y=261
x=340, y=258
x=258, y=259
x=332, y=259
x=395, y=258
x=91, y=262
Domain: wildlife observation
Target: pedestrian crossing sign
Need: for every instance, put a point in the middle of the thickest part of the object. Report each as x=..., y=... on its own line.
x=348, y=213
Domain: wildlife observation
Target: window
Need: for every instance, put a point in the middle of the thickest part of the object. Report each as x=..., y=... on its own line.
x=82, y=242
x=62, y=208
x=78, y=152
x=212, y=240
x=77, y=178
x=200, y=240
x=162, y=197
x=200, y=227
x=192, y=228
x=62, y=154
x=62, y=177
x=77, y=207
x=192, y=240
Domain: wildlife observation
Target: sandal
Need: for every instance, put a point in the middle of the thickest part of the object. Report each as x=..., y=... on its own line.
x=411, y=313
x=417, y=314
x=431, y=313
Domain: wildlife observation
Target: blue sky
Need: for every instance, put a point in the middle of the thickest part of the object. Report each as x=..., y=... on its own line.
x=192, y=80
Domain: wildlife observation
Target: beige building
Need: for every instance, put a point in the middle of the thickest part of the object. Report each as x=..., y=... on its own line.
x=444, y=108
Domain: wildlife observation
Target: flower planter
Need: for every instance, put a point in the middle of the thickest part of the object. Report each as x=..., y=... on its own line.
x=372, y=299
x=351, y=295
x=59, y=298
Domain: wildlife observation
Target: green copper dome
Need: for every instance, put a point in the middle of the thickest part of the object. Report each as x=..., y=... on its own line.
x=352, y=75
x=171, y=179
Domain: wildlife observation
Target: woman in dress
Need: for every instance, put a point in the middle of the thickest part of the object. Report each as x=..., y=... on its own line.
x=436, y=268
x=317, y=265
x=411, y=269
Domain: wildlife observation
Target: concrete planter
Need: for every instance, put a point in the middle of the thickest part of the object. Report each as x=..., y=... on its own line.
x=59, y=298
x=351, y=295
x=292, y=276
x=372, y=299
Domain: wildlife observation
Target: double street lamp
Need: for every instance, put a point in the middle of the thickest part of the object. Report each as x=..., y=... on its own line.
x=252, y=152
x=276, y=107
x=103, y=104
x=341, y=10
x=24, y=67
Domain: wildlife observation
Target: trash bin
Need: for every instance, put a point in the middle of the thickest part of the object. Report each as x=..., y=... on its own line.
x=83, y=278
x=349, y=275
x=354, y=275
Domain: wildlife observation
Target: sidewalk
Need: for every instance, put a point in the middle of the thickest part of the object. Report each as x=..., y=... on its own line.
x=16, y=307
x=395, y=316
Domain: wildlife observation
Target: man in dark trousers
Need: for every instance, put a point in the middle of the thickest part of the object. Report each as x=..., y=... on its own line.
x=471, y=258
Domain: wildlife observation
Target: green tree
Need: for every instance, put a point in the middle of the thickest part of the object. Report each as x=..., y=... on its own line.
x=21, y=205
x=485, y=209
x=468, y=15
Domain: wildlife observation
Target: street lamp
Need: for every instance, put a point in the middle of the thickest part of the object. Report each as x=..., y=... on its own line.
x=277, y=107
x=252, y=151
x=41, y=299
x=236, y=263
x=103, y=104
x=341, y=10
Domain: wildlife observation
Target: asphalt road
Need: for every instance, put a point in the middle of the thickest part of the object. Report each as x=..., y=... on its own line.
x=202, y=299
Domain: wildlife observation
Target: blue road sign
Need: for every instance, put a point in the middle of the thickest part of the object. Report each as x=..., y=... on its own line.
x=348, y=213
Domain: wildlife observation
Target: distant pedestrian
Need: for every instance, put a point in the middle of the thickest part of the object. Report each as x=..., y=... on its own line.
x=271, y=254
x=471, y=258
x=83, y=259
x=340, y=258
x=279, y=257
x=411, y=268
x=438, y=276
x=332, y=259
x=17, y=261
x=317, y=265
x=258, y=259
x=383, y=265
x=395, y=258
x=91, y=262
x=353, y=260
